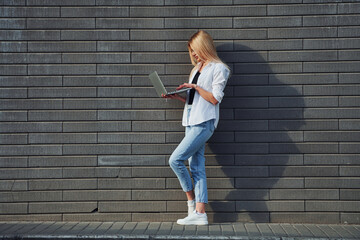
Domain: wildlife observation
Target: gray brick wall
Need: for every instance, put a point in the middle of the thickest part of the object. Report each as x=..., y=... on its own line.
x=83, y=136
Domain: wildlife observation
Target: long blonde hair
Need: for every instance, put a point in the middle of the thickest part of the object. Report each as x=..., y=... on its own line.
x=203, y=45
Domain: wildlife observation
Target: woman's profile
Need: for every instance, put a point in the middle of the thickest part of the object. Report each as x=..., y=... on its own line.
x=207, y=81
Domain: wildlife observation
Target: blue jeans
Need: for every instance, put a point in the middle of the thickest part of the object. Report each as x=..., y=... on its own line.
x=192, y=148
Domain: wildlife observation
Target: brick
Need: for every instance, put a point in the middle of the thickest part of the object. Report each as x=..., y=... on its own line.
x=95, y=58
x=303, y=171
x=30, y=35
x=243, y=103
x=328, y=206
x=243, y=125
x=351, y=218
x=84, y=69
x=125, y=23
x=140, y=12
x=62, y=92
x=13, y=208
x=238, y=148
x=125, y=92
x=84, y=149
x=64, y=115
x=269, y=160
x=175, y=206
x=62, y=46
x=247, y=137
x=266, y=1
x=159, y=57
x=237, y=171
x=317, y=147
x=97, y=217
x=95, y=35
x=349, y=55
x=280, y=56
x=196, y=2
x=97, y=126
x=13, y=46
x=348, y=78
x=250, y=45
x=331, y=90
x=269, y=114
x=253, y=91
x=60, y=23
x=169, y=34
x=13, y=185
x=197, y=22
x=303, y=32
x=62, y=161
x=131, y=160
x=131, y=115
x=271, y=206
x=111, y=69
x=132, y=206
x=294, y=67
x=331, y=159
x=238, y=57
x=13, y=139
x=96, y=81
x=126, y=46
x=306, y=194
x=62, y=184
x=352, y=171
x=264, y=22
x=151, y=126
x=91, y=172
x=14, y=173
x=62, y=138
x=81, y=12
x=328, y=136
x=62, y=207
x=351, y=31
x=30, y=58
x=238, y=33
x=349, y=124
x=13, y=69
x=59, y=2
x=349, y=194
x=269, y=183
x=127, y=3
x=221, y=11
x=97, y=195
x=157, y=195
x=152, y=172
x=32, y=217
x=30, y=127
x=30, y=12
x=331, y=113
x=27, y=81
x=349, y=148
x=97, y=104
x=13, y=93
x=318, y=217
x=238, y=194
x=131, y=138
x=296, y=102
x=132, y=183
x=302, y=9
x=31, y=196
x=308, y=78
x=339, y=182
x=346, y=8
x=178, y=68
x=13, y=2
x=13, y=23
x=340, y=43
x=338, y=20
x=303, y=125
x=13, y=162
x=36, y=150
x=159, y=103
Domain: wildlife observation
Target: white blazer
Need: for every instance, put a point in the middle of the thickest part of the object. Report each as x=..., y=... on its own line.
x=213, y=78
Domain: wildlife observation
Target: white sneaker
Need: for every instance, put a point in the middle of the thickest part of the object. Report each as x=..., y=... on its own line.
x=191, y=206
x=194, y=218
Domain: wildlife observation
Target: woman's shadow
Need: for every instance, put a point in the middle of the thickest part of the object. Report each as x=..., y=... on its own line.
x=255, y=139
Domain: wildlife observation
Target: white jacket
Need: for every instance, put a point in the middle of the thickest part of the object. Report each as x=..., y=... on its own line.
x=213, y=78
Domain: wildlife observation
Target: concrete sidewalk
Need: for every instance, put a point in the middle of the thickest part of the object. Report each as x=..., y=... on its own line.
x=169, y=230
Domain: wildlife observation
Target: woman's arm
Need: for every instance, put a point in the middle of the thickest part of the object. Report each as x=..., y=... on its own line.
x=174, y=96
x=208, y=96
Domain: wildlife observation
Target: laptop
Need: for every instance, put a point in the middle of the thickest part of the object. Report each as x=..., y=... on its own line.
x=159, y=86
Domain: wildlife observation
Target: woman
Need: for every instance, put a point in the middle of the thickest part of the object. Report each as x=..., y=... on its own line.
x=201, y=115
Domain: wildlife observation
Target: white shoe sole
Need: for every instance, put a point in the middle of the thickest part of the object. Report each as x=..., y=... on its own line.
x=192, y=223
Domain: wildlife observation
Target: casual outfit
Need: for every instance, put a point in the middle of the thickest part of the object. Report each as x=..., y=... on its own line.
x=200, y=118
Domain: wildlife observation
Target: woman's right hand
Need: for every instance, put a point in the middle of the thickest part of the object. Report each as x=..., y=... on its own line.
x=174, y=96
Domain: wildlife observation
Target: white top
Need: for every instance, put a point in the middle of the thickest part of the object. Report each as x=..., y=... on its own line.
x=213, y=78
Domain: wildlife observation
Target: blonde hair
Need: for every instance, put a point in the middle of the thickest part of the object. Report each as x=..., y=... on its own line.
x=203, y=45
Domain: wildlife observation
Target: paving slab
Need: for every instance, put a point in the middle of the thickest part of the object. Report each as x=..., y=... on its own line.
x=170, y=230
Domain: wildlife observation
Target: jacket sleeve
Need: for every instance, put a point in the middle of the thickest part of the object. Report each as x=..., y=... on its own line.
x=221, y=75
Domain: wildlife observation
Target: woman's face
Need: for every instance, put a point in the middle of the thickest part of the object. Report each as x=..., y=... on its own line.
x=193, y=53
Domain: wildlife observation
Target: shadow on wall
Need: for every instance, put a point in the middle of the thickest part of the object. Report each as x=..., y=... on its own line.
x=255, y=139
